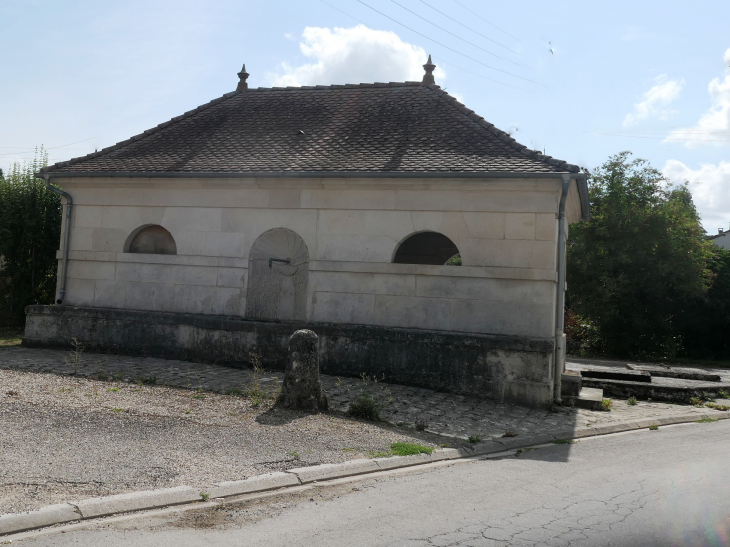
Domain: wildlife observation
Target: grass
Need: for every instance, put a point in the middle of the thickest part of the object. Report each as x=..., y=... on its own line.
x=199, y=396
x=706, y=420
x=606, y=405
x=113, y=389
x=653, y=427
x=723, y=394
x=10, y=337
x=293, y=455
x=696, y=401
x=147, y=380
x=563, y=441
x=631, y=401
x=475, y=439
x=409, y=449
x=235, y=392
x=204, y=496
x=117, y=410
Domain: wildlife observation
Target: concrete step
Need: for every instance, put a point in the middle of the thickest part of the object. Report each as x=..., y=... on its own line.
x=590, y=398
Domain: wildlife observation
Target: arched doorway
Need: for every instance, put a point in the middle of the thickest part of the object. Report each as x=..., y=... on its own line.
x=278, y=275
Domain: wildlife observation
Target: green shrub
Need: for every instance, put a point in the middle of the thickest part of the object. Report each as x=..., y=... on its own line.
x=366, y=407
x=606, y=404
x=632, y=401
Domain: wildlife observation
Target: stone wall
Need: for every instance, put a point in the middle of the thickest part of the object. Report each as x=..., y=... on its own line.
x=505, y=231
x=505, y=368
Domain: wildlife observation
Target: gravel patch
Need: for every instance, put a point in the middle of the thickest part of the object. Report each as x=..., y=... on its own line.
x=65, y=438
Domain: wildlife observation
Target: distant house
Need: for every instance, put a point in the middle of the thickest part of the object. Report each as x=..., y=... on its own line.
x=721, y=239
x=218, y=233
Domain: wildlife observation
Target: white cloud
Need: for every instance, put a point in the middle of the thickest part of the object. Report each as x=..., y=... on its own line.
x=656, y=101
x=354, y=55
x=714, y=125
x=710, y=186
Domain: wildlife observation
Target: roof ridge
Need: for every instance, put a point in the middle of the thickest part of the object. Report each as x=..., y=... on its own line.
x=502, y=135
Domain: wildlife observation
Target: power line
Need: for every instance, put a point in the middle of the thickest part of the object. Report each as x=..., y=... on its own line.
x=447, y=47
x=448, y=63
x=487, y=22
x=468, y=28
x=452, y=34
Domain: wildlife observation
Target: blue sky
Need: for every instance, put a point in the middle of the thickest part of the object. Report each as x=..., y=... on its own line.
x=581, y=80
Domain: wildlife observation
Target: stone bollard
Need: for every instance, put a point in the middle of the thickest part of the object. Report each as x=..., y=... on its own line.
x=302, y=389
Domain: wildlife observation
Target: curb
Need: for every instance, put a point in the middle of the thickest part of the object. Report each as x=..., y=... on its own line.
x=152, y=499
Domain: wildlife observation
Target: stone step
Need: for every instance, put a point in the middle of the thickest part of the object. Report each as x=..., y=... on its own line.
x=627, y=375
x=590, y=398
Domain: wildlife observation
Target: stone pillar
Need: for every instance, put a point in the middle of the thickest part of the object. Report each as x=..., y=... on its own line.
x=302, y=389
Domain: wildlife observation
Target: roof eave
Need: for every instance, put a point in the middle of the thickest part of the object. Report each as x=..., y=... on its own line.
x=580, y=178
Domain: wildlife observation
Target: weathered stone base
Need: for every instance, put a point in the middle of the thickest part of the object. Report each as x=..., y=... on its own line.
x=505, y=368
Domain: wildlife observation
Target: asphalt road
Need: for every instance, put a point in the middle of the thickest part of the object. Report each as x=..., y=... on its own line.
x=669, y=487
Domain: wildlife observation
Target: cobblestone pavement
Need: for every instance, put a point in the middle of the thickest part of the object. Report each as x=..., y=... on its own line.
x=442, y=413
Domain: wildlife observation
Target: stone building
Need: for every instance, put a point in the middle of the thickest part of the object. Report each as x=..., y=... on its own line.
x=419, y=241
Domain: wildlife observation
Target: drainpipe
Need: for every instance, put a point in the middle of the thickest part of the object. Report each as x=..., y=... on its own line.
x=560, y=297
x=67, y=231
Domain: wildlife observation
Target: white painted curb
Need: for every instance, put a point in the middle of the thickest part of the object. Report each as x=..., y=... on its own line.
x=259, y=483
x=45, y=516
x=135, y=501
x=334, y=470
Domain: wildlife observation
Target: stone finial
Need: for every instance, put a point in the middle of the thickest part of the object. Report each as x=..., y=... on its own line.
x=428, y=77
x=302, y=389
x=242, y=79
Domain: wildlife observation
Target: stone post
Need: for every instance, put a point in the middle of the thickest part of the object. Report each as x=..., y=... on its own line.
x=302, y=389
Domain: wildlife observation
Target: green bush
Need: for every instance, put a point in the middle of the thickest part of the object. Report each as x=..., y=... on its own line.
x=366, y=407
x=30, y=231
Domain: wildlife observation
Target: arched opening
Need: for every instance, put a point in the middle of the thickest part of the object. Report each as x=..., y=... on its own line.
x=154, y=240
x=428, y=248
x=278, y=275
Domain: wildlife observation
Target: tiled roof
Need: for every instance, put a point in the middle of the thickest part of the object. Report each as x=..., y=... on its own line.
x=389, y=128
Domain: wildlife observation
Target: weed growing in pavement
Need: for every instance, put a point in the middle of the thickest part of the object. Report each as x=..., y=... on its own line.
x=510, y=433
x=696, y=402
x=380, y=454
x=631, y=401
x=199, y=396
x=117, y=410
x=706, y=420
x=421, y=425
x=188, y=412
x=723, y=408
x=653, y=427
x=146, y=380
x=113, y=389
x=723, y=394
x=369, y=406
x=235, y=392
x=444, y=445
x=606, y=405
x=257, y=393
x=74, y=358
x=409, y=449
x=293, y=455
x=204, y=496
x=119, y=376
x=473, y=439
x=563, y=441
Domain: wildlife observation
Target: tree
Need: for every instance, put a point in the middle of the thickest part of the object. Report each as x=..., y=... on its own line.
x=633, y=269
x=30, y=230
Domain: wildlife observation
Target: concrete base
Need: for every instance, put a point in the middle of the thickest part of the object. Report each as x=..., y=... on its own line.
x=505, y=368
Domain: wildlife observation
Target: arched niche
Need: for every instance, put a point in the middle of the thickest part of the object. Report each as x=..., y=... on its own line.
x=427, y=248
x=278, y=276
x=151, y=239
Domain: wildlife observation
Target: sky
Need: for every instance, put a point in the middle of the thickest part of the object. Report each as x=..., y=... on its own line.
x=579, y=80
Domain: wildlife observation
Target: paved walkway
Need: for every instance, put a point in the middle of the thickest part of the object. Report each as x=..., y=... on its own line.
x=442, y=413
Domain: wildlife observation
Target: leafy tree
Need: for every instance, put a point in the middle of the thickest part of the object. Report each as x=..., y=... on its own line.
x=705, y=323
x=633, y=269
x=30, y=231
